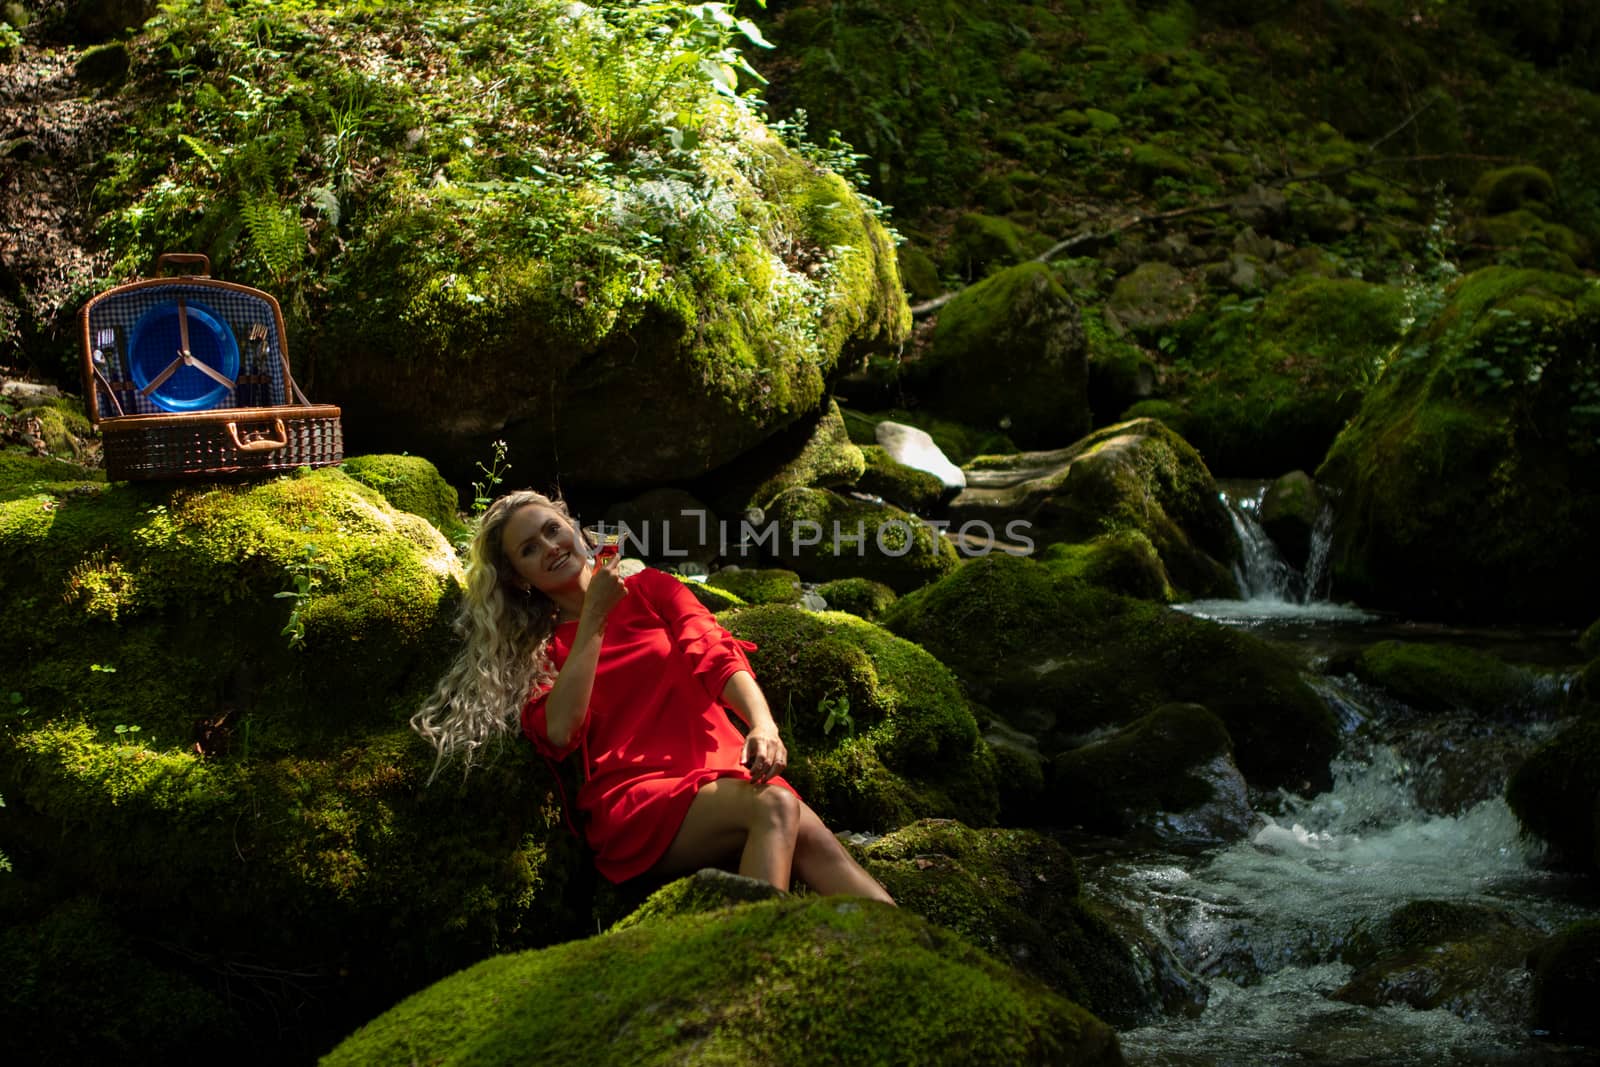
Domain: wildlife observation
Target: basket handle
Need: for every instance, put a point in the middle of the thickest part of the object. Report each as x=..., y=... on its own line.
x=262, y=445
x=184, y=259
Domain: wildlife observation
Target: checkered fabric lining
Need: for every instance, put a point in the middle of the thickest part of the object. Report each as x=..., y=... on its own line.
x=111, y=320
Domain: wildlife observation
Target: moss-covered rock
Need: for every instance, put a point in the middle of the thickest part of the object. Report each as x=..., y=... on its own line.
x=983, y=244
x=905, y=487
x=1448, y=677
x=708, y=889
x=1010, y=353
x=1058, y=658
x=1524, y=238
x=219, y=752
x=1291, y=510
x=1124, y=562
x=1558, y=783
x=1566, y=983
x=827, y=459
x=679, y=990
x=1168, y=778
x=411, y=483
x=1014, y=894
x=1468, y=478
x=1271, y=380
x=879, y=732
x=825, y=536
x=716, y=598
x=1509, y=188
x=1138, y=476
x=684, y=261
x=1151, y=297
x=761, y=585
x=1440, y=954
x=861, y=597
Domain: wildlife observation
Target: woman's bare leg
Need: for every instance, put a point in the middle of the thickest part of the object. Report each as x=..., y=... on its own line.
x=733, y=814
x=826, y=866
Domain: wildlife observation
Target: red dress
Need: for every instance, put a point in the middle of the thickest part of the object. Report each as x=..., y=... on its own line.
x=655, y=729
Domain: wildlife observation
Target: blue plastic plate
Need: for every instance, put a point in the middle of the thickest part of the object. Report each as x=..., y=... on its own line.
x=156, y=339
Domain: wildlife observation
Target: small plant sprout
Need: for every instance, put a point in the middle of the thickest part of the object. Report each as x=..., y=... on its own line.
x=493, y=475
x=306, y=574
x=837, y=712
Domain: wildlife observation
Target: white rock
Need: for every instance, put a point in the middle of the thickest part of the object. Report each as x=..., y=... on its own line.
x=913, y=447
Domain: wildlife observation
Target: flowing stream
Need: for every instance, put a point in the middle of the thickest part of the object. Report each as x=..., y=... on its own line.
x=1267, y=925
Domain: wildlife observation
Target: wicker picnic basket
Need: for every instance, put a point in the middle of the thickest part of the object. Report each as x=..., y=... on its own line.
x=188, y=377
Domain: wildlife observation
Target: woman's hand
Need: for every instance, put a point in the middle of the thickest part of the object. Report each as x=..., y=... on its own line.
x=606, y=590
x=764, y=754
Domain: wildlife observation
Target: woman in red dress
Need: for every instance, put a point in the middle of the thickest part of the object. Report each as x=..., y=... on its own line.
x=633, y=674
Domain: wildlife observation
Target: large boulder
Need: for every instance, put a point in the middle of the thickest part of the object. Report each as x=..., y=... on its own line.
x=1447, y=954
x=1167, y=778
x=210, y=687
x=1015, y=894
x=1553, y=789
x=1058, y=658
x=785, y=982
x=1010, y=353
x=605, y=231
x=1137, y=475
x=879, y=732
x=1273, y=379
x=826, y=535
x=1468, y=483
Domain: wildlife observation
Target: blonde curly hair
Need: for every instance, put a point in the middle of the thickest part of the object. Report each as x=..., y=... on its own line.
x=505, y=632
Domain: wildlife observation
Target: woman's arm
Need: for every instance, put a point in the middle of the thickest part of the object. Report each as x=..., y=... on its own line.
x=568, y=701
x=764, y=751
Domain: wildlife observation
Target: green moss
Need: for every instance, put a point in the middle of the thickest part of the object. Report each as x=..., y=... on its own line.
x=982, y=244
x=1447, y=677
x=168, y=740
x=919, y=273
x=1466, y=475
x=1151, y=297
x=825, y=536
x=1135, y=476
x=861, y=597
x=1010, y=353
x=714, y=597
x=706, y=890
x=22, y=473
x=1272, y=381
x=1509, y=188
x=905, y=487
x=1058, y=658
x=828, y=457
x=840, y=971
x=769, y=585
x=1124, y=562
x=911, y=748
x=411, y=483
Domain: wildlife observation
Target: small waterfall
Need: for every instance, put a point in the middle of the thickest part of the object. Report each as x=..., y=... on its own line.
x=1269, y=586
x=1262, y=572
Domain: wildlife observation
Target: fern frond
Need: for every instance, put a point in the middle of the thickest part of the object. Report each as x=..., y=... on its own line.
x=208, y=155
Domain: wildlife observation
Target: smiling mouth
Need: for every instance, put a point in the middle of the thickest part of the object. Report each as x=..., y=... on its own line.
x=559, y=560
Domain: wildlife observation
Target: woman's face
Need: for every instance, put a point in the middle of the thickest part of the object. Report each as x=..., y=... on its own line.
x=543, y=549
